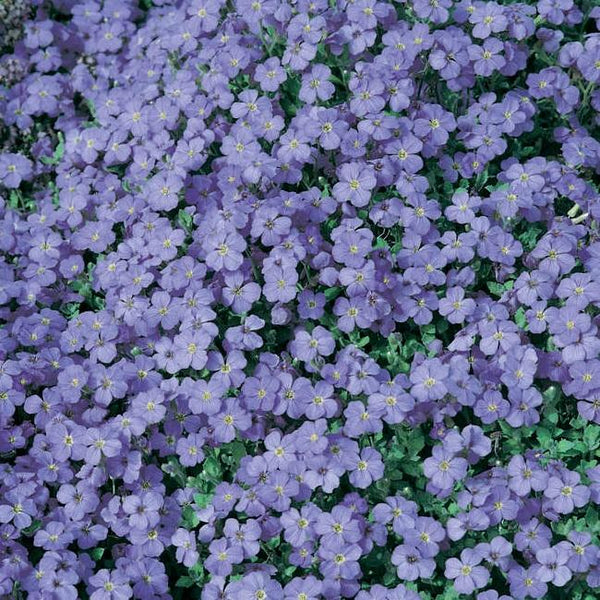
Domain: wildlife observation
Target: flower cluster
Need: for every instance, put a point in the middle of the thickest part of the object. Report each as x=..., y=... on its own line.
x=300, y=299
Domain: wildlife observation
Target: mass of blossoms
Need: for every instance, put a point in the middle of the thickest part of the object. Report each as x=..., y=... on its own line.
x=299, y=299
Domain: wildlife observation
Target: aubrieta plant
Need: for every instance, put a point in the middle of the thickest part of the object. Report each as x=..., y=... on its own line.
x=299, y=299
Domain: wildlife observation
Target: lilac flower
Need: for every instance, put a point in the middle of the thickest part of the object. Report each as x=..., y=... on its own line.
x=444, y=469
x=143, y=509
x=526, y=583
x=110, y=585
x=340, y=561
x=339, y=526
x=427, y=380
x=316, y=84
x=367, y=469
x=437, y=12
x=355, y=184
x=461, y=209
x=523, y=403
x=222, y=557
x=397, y=509
x=488, y=19
x=18, y=507
x=533, y=535
x=280, y=284
x=78, y=500
x=189, y=450
x=467, y=574
x=581, y=554
x=405, y=152
x=100, y=444
x=239, y=293
x=224, y=251
x=525, y=476
x=228, y=421
x=486, y=58
x=497, y=552
x=454, y=306
x=299, y=526
x=14, y=168
x=307, y=346
x=553, y=566
x=565, y=492
x=270, y=75
x=411, y=564
x=310, y=304
x=308, y=588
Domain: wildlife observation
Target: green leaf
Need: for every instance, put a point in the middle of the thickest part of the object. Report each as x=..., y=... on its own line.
x=212, y=467
x=184, y=582
x=237, y=451
x=202, y=500
x=289, y=571
x=58, y=152
x=97, y=553
x=545, y=437
x=415, y=442
x=449, y=593
x=520, y=318
x=362, y=342
x=564, y=446
x=28, y=531
x=185, y=220
x=497, y=289
x=332, y=292
x=189, y=518
x=591, y=435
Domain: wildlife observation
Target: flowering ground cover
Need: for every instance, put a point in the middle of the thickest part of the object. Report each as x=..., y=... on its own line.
x=299, y=299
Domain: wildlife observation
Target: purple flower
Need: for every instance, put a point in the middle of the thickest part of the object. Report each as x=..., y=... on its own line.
x=487, y=19
x=486, y=58
x=340, y=561
x=411, y=564
x=428, y=380
x=14, y=168
x=565, y=492
x=525, y=583
x=229, y=420
x=307, y=346
x=307, y=588
x=316, y=84
x=270, y=75
x=368, y=468
x=525, y=475
x=454, y=306
x=224, y=251
x=553, y=566
x=444, y=469
x=355, y=184
x=110, y=585
x=339, y=526
x=222, y=557
x=467, y=574
x=18, y=507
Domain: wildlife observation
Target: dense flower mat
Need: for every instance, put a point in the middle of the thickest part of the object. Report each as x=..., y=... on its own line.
x=299, y=299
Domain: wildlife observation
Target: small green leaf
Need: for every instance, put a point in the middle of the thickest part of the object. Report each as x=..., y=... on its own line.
x=58, y=152
x=212, y=467
x=184, y=582
x=185, y=220
x=332, y=292
x=97, y=553
x=564, y=446
x=202, y=500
